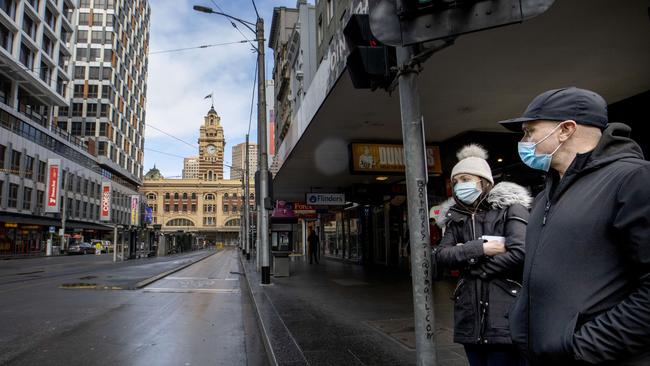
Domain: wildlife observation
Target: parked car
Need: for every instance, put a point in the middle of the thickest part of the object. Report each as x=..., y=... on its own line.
x=81, y=248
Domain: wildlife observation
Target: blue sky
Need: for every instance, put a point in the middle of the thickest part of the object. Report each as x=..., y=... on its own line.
x=179, y=81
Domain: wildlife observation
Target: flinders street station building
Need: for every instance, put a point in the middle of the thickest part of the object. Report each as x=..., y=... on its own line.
x=207, y=207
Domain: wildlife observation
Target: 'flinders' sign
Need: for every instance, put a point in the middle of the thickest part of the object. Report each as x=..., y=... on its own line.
x=325, y=199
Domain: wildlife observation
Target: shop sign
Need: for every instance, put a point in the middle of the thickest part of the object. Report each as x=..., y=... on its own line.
x=325, y=199
x=11, y=224
x=30, y=227
x=388, y=158
x=303, y=210
x=52, y=229
x=105, y=206
x=135, y=210
x=52, y=203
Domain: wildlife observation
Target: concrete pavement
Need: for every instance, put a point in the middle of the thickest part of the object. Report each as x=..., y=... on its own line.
x=336, y=313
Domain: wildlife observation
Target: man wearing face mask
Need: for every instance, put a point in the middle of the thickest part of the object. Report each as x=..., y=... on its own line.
x=484, y=239
x=586, y=290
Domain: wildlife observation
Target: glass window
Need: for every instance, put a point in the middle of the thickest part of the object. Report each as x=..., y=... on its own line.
x=80, y=72
x=97, y=37
x=98, y=18
x=15, y=161
x=29, y=166
x=84, y=18
x=92, y=91
x=78, y=91
x=13, y=195
x=82, y=36
x=93, y=54
x=82, y=54
x=93, y=73
x=27, y=198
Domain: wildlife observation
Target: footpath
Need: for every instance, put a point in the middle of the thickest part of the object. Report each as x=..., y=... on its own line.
x=336, y=313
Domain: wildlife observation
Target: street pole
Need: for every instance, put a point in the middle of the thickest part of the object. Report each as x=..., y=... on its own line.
x=114, y=243
x=62, y=247
x=247, y=246
x=418, y=213
x=263, y=218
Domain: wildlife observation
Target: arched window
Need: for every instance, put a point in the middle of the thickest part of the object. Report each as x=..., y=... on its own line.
x=167, y=195
x=225, y=196
x=233, y=222
x=151, y=196
x=234, y=195
x=210, y=175
x=209, y=197
x=176, y=195
x=252, y=196
x=180, y=222
x=184, y=196
x=193, y=195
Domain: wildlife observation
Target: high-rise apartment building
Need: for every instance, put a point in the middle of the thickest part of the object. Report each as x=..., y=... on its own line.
x=239, y=160
x=109, y=87
x=191, y=167
x=36, y=42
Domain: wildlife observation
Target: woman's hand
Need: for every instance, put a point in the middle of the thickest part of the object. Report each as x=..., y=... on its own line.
x=493, y=247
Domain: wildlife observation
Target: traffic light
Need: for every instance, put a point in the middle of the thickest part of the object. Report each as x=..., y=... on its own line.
x=410, y=22
x=370, y=62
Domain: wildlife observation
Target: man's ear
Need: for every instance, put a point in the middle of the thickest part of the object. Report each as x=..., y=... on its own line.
x=567, y=129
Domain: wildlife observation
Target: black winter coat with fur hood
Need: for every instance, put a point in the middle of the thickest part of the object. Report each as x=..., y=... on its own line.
x=488, y=285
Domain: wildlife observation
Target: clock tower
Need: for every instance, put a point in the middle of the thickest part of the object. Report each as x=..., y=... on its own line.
x=211, y=147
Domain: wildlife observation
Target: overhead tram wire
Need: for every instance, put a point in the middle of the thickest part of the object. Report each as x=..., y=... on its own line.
x=234, y=25
x=194, y=146
x=250, y=117
x=199, y=47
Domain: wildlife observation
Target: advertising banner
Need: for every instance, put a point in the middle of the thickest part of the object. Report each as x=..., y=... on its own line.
x=148, y=215
x=105, y=205
x=135, y=210
x=52, y=199
x=388, y=158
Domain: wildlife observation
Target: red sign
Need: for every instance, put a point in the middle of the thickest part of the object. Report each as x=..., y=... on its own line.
x=52, y=192
x=52, y=195
x=105, y=205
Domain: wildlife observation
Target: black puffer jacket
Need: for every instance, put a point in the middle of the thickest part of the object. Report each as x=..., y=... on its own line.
x=586, y=289
x=488, y=285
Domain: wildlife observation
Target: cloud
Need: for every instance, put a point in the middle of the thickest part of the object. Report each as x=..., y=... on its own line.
x=179, y=81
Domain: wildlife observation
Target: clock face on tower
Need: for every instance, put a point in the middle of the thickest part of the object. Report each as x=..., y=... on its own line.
x=210, y=149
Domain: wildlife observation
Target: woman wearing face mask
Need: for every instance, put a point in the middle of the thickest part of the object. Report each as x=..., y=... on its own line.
x=484, y=239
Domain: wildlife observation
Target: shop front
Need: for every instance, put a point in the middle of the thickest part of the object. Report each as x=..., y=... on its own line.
x=22, y=239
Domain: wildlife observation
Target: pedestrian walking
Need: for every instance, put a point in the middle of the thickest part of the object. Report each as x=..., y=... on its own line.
x=586, y=288
x=484, y=239
x=312, y=239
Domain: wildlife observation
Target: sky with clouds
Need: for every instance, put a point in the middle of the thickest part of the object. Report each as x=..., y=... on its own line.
x=179, y=81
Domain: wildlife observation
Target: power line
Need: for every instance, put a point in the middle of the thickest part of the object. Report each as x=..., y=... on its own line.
x=199, y=47
x=164, y=153
x=255, y=7
x=172, y=136
x=233, y=24
x=250, y=117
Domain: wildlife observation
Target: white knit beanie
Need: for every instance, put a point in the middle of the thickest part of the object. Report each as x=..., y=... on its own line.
x=472, y=160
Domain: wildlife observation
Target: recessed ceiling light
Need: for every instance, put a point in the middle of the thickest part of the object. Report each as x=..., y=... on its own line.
x=500, y=160
x=381, y=178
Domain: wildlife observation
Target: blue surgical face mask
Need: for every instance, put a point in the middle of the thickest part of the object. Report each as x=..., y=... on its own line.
x=467, y=192
x=535, y=161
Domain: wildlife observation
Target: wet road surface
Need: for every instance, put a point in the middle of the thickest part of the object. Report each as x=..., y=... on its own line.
x=197, y=316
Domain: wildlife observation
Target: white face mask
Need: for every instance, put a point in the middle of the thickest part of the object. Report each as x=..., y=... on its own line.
x=527, y=153
x=467, y=192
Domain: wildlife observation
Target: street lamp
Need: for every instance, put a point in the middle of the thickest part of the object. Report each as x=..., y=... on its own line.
x=263, y=201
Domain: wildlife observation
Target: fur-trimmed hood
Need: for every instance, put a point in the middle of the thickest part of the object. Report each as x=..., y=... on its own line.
x=502, y=195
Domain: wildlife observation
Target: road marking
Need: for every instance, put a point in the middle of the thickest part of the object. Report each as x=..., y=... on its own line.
x=201, y=278
x=191, y=290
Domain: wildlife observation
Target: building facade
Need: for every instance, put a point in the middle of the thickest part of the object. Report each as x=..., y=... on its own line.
x=239, y=160
x=208, y=207
x=34, y=79
x=191, y=167
x=109, y=87
x=293, y=40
